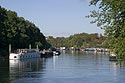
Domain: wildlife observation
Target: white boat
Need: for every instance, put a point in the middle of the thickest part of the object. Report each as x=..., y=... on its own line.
x=24, y=54
x=56, y=53
x=112, y=57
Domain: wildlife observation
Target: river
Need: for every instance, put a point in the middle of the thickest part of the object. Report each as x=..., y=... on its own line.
x=69, y=67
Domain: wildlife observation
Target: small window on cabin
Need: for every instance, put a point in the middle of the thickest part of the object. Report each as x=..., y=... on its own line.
x=15, y=56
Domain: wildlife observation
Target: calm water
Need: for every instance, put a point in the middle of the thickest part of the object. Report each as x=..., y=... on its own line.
x=69, y=67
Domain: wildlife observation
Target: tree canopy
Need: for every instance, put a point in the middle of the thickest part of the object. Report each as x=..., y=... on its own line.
x=81, y=40
x=19, y=32
x=111, y=17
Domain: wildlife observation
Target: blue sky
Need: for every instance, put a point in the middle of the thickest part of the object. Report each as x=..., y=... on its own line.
x=55, y=17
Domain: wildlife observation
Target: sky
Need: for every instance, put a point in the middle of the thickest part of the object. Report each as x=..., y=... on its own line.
x=58, y=18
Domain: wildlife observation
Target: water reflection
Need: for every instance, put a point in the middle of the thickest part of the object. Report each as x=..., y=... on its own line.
x=55, y=58
x=25, y=68
x=4, y=71
x=69, y=67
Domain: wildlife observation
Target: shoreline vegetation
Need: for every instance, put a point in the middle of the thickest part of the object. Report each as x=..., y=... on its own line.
x=21, y=33
x=110, y=16
x=18, y=32
x=82, y=40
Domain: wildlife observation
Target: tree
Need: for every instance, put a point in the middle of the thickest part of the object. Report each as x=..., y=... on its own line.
x=81, y=40
x=18, y=32
x=111, y=17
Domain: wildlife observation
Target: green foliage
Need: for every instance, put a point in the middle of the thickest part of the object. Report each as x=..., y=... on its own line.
x=111, y=17
x=82, y=40
x=19, y=32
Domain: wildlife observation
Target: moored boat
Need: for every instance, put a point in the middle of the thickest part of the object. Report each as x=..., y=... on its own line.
x=112, y=57
x=56, y=52
x=24, y=54
x=46, y=54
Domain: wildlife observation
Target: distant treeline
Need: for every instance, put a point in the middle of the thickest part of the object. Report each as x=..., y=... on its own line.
x=18, y=32
x=82, y=40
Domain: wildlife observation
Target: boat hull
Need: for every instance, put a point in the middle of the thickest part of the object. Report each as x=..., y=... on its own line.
x=14, y=56
x=112, y=57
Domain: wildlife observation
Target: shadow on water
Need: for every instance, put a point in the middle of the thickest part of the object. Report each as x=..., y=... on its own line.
x=4, y=70
x=11, y=70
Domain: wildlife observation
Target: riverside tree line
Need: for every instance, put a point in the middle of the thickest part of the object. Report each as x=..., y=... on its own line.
x=110, y=17
x=82, y=40
x=18, y=32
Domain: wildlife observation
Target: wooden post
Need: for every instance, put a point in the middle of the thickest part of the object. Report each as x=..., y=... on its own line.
x=30, y=46
x=9, y=48
x=37, y=47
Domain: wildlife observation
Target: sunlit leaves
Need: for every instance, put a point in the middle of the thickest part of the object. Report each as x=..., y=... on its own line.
x=82, y=40
x=111, y=16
